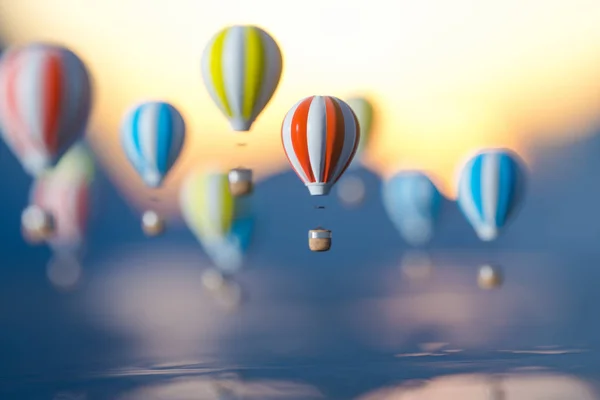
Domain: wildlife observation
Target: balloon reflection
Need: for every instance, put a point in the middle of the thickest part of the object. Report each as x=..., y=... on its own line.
x=58, y=214
x=64, y=271
x=156, y=297
x=225, y=291
x=484, y=387
x=490, y=277
x=71, y=396
x=449, y=308
x=417, y=266
x=206, y=388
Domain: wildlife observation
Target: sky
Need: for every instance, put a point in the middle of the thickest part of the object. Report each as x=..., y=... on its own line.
x=446, y=77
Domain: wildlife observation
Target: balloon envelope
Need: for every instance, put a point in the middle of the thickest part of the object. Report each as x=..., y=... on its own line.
x=490, y=191
x=223, y=224
x=152, y=136
x=64, y=192
x=45, y=102
x=77, y=163
x=363, y=109
x=320, y=135
x=67, y=202
x=413, y=203
x=241, y=67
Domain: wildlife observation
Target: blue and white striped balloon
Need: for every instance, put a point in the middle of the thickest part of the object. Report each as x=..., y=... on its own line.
x=412, y=202
x=490, y=191
x=152, y=136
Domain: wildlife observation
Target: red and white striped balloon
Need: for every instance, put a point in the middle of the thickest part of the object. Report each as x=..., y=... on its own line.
x=67, y=200
x=320, y=135
x=45, y=101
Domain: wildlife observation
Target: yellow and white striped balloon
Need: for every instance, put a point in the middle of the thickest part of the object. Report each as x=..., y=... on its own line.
x=363, y=109
x=207, y=206
x=241, y=67
x=222, y=224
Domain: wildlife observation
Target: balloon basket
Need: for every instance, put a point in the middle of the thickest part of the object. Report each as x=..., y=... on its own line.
x=490, y=277
x=152, y=224
x=240, y=182
x=319, y=240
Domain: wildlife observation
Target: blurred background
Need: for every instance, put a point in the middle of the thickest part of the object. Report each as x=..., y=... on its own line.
x=374, y=318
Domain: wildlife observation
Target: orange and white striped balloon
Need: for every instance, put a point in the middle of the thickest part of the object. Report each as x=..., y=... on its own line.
x=320, y=135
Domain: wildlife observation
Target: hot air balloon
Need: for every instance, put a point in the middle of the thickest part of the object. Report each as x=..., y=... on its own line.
x=351, y=189
x=320, y=135
x=241, y=67
x=64, y=192
x=363, y=109
x=45, y=102
x=223, y=224
x=76, y=165
x=490, y=191
x=152, y=136
x=67, y=200
x=412, y=202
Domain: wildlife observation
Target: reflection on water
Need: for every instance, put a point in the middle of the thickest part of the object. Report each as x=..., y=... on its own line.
x=424, y=330
x=191, y=382
x=64, y=271
x=485, y=387
x=208, y=388
x=417, y=266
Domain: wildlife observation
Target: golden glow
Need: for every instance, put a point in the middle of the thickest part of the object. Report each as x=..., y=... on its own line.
x=449, y=76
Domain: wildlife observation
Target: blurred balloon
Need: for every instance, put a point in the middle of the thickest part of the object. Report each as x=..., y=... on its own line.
x=77, y=163
x=212, y=279
x=490, y=277
x=412, y=202
x=152, y=223
x=37, y=224
x=223, y=224
x=241, y=67
x=64, y=271
x=152, y=136
x=240, y=181
x=65, y=194
x=351, y=191
x=363, y=109
x=490, y=190
x=320, y=135
x=45, y=103
x=229, y=295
